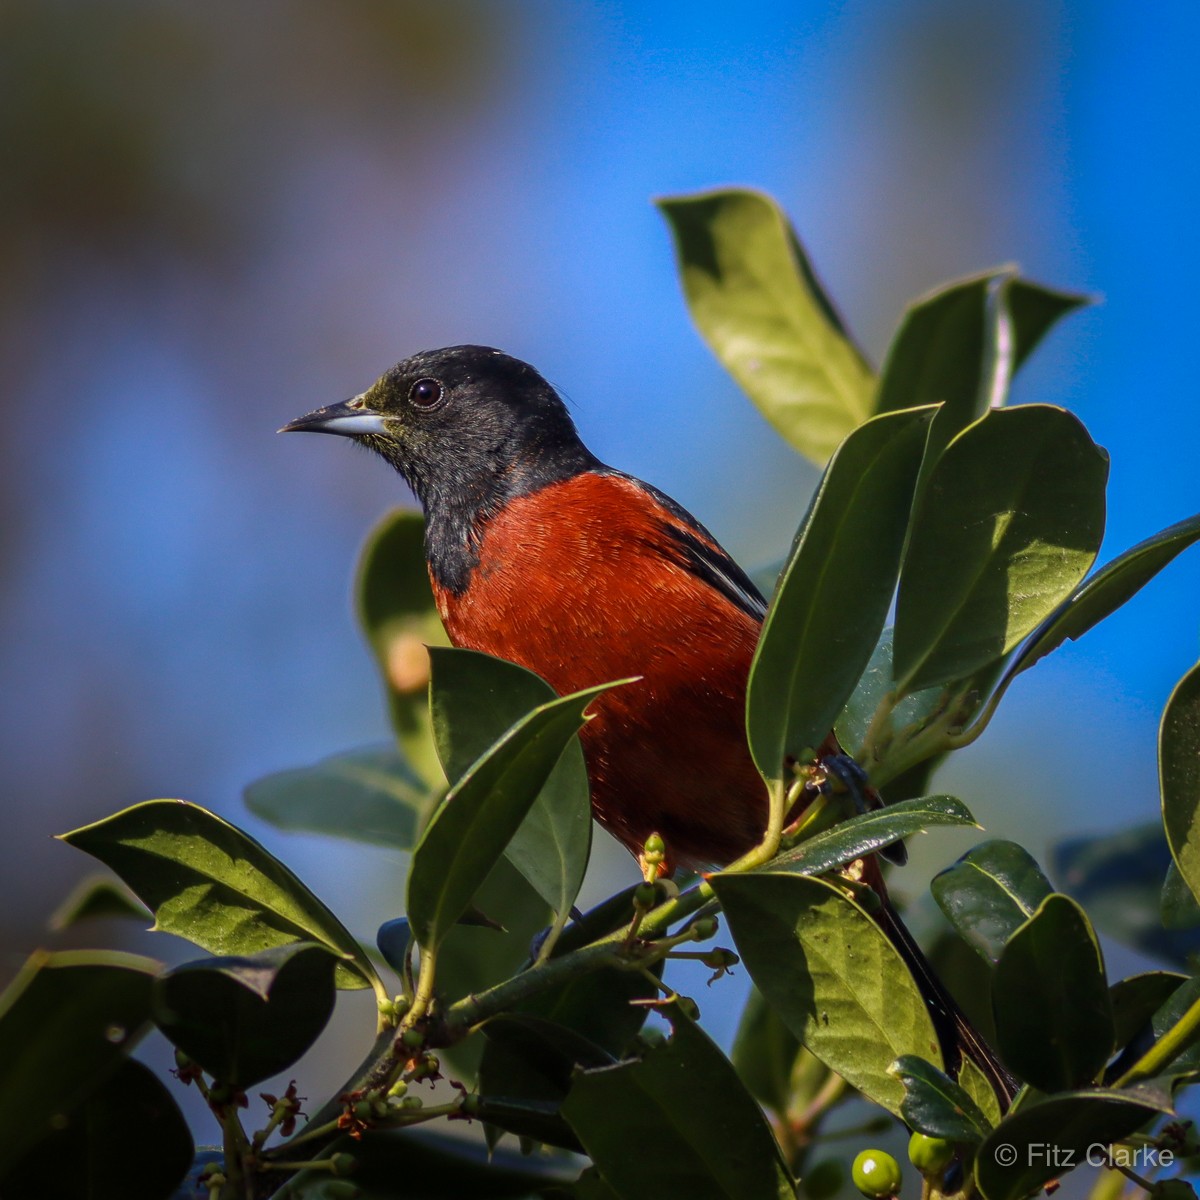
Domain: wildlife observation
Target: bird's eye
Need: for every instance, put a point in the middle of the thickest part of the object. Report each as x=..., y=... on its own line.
x=425, y=393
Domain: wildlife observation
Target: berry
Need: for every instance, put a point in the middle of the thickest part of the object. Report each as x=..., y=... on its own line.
x=930, y=1155
x=876, y=1174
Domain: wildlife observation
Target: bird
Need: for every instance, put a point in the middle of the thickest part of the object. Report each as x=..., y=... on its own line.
x=541, y=554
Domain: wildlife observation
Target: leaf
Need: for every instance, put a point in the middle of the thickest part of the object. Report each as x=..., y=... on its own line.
x=1179, y=776
x=97, y=896
x=648, y=1142
x=1136, y=1000
x=1054, y=1019
x=937, y=1106
x=475, y=699
x=1103, y=593
x=989, y=893
x=832, y=975
x=945, y=351
x=764, y=1052
x=1117, y=878
x=397, y=611
x=975, y=1083
x=483, y=811
x=1009, y=522
x=129, y=1117
x=836, y=590
x=244, y=1019
x=210, y=883
x=1177, y=905
x=1187, y=1059
x=1045, y=1139
x=871, y=831
x=755, y=299
x=368, y=795
x=66, y=1022
x=1034, y=310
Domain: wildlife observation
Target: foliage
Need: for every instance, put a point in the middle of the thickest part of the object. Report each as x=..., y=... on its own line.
x=978, y=525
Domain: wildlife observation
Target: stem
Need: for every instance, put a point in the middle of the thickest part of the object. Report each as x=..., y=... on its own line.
x=1165, y=1050
x=423, y=996
x=879, y=720
x=552, y=935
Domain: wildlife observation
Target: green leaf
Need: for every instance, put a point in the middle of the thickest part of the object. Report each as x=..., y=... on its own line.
x=975, y=1083
x=1177, y=905
x=1054, y=1019
x=832, y=975
x=1117, y=878
x=989, y=893
x=945, y=351
x=870, y=831
x=66, y=1022
x=245, y=1019
x=1103, y=593
x=1009, y=522
x=97, y=896
x=754, y=297
x=368, y=795
x=1033, y=310
x=935, y=1105
x=1136, y=1000
x=764, y=1053
x=1187, y=1059
x=648, y=1142
x=483, y=811
x=1179, y=776
x=1045, y=1139
x=397, y=611
x=210, y=883
x=128, y=1118
x=475, y=699
x=835, y=593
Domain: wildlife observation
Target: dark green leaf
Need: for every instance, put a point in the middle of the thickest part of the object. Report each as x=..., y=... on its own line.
x=1009, y=522
x=210, y=883
x=483, y=811
x=476, y=698
x=1045, y=1139
x=975, y=1083
x=1034, y=310
x=836, y=590
x=764, y=1053
x=1054, y=1019
x=945, y=352
x=649, y=1141
x=127, y=1140
x=935, y=1105
x=870, y=831
x=66, y=1022
x=244, y=1019
x=396, y=608
x=1177, y=905
x=832, y=975
x=1187, y=1059
x=1179, y=775
x=98, y=896
x=1103, y=593
x=989, y=893
x=428, y=1165
x=1117, y=878
x=756, y=301
x=368, y=795
x=1136, y=999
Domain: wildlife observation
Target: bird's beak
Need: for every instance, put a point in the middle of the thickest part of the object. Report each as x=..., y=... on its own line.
x=350, y=418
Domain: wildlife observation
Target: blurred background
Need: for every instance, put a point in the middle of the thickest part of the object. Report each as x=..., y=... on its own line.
x=216, y=217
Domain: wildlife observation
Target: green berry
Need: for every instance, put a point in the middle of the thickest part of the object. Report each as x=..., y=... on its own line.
x=688, y=1007
x=343, y=1164
x=704, y=928
x=876, y=1174
x=655, y=849
x=412, y=1039
x=930, y=1155
x=645, y=895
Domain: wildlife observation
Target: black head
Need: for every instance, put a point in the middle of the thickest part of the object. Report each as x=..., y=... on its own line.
x=468, y=427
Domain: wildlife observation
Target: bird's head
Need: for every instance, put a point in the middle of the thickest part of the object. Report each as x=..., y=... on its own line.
x=462, y=424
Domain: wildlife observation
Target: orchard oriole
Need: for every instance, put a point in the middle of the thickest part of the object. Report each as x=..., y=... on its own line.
x=541, y=554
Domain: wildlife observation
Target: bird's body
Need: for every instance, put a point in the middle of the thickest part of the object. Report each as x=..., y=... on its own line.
x=589, y=579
